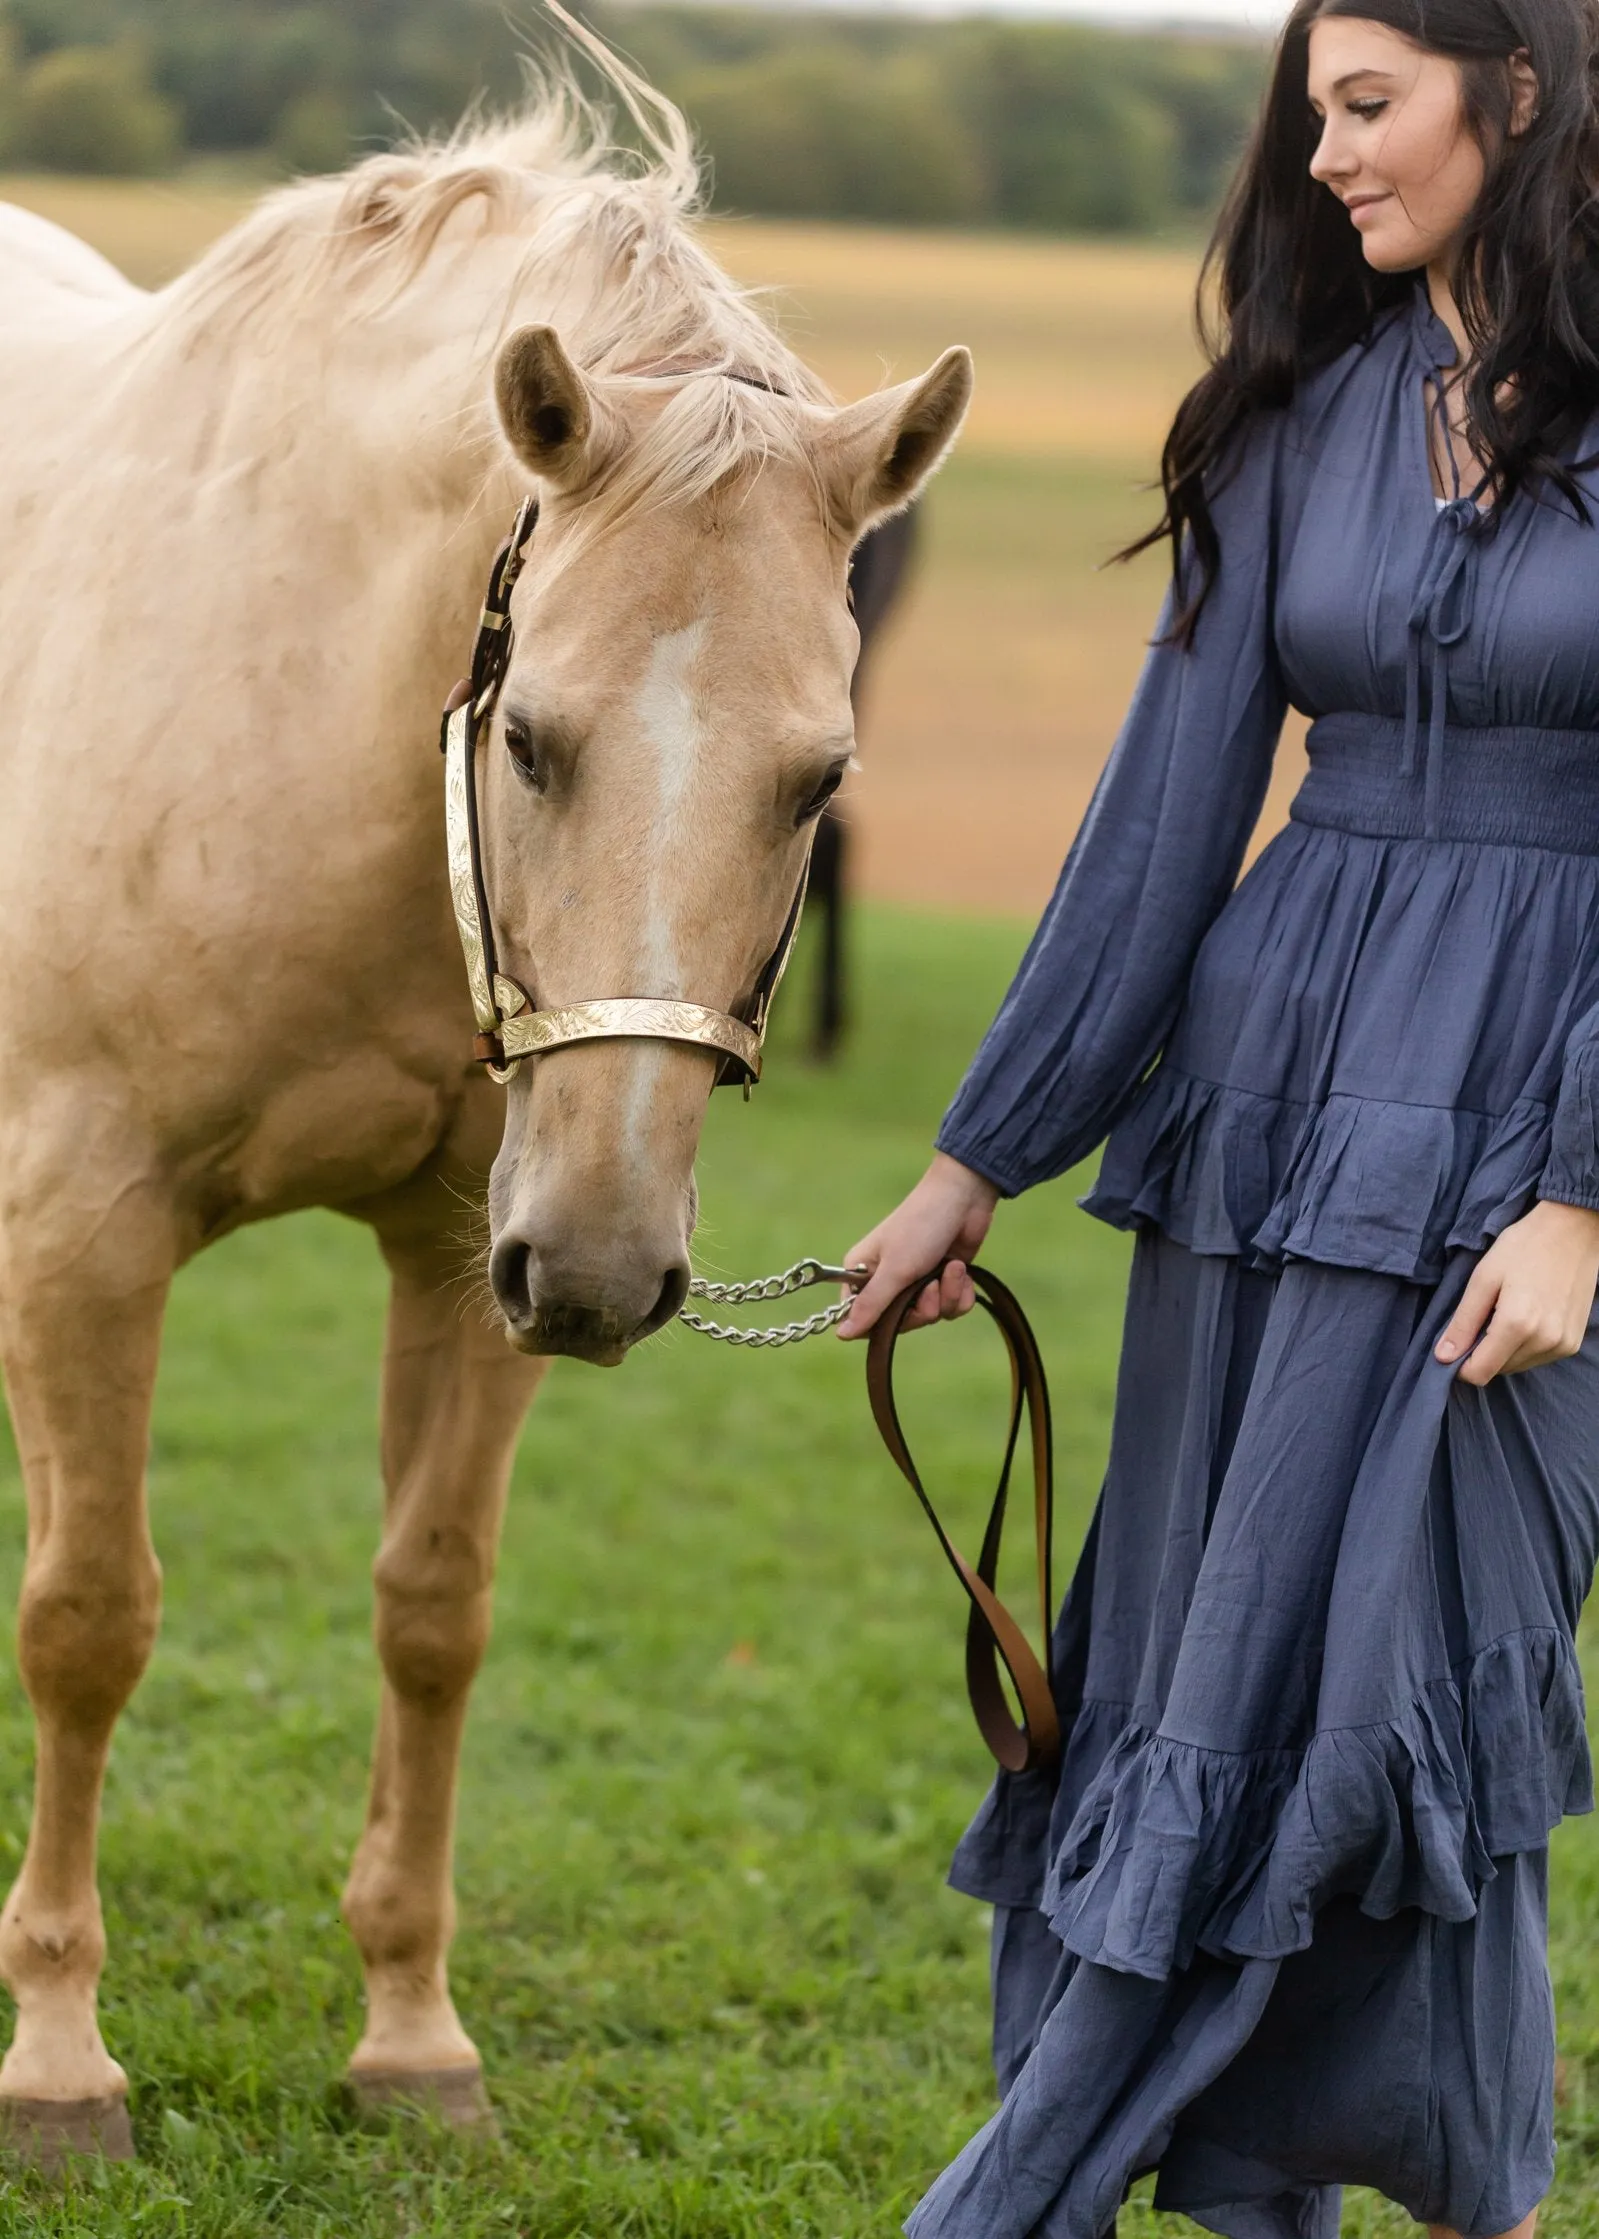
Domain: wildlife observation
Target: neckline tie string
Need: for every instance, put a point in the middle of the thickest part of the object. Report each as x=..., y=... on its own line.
x=1441, y=610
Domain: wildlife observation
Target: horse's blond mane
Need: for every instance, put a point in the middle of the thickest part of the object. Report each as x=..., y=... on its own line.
x=610, y=228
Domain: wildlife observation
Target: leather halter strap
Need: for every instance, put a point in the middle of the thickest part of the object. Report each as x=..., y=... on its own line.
x=993, y=1636
x=680, y=369
x=509, y=1027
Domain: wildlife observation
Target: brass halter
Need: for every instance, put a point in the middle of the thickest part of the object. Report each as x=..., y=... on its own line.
x=509, y=1026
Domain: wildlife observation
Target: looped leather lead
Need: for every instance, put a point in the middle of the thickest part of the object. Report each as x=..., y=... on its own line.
x=992, y=1634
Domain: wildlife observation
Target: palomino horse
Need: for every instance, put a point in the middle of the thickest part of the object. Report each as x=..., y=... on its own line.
x=249, y=520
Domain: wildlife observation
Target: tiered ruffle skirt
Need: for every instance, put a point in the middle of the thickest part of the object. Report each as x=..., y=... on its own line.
x=1278, y=1925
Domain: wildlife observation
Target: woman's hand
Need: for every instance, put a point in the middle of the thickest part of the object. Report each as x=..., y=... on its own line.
x=1531, y=1292
x=946, y=1216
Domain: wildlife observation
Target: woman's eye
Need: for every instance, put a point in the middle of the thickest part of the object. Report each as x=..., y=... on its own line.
x=823, y=794
x=1372, y=107
x=524, y=753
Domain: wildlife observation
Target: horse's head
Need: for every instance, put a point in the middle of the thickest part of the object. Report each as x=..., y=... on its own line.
x=674, y=718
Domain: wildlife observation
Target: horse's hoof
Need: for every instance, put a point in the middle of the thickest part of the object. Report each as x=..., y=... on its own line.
x=47, y=2132
x=455, y=2096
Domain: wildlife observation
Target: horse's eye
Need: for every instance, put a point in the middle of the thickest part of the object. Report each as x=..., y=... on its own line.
x=521, y=747
x=823, y=794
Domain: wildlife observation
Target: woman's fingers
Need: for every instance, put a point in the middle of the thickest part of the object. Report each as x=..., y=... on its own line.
x=1469, y=1318
x=928, y=1309
x=1530, y=1298
x=1521, y=1335
x=888, y=1278
x=874, y=1298
x=944, y=1300
x=945, y=1218
x=1495, y=1351
x=1501, y=1327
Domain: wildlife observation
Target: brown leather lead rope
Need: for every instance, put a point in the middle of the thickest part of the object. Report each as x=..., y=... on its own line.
x=993, y=1636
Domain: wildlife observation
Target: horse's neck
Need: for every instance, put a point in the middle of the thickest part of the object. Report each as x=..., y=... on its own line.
x=345, y=502
x=279, y=559
x=368, y=461
x=303, y=519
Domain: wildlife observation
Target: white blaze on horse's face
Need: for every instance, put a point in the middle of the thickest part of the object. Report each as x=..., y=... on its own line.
x=670, y=719
x=671, y=710
x=676, y=714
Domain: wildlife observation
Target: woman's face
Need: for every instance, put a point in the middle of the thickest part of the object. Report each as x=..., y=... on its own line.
x=1395, y=147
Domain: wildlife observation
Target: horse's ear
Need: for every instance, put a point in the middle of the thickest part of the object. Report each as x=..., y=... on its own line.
x=552, y=418
x=876, y=455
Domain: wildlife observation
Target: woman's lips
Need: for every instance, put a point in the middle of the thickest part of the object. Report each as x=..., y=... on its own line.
x=1361, y=205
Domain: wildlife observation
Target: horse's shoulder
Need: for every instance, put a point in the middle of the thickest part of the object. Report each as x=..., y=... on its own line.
x=44, y=264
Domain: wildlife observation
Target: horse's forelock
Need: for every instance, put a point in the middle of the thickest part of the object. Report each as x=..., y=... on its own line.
x=714, y=437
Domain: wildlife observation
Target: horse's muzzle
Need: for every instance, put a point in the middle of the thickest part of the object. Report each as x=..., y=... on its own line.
x=551, y=1308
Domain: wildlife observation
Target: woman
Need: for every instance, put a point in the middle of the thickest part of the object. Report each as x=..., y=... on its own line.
x=1279, y=1921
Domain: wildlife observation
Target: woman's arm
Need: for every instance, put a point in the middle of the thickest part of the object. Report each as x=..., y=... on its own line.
x=1100, y=984
x=1155, y=859
x=1571, y=1172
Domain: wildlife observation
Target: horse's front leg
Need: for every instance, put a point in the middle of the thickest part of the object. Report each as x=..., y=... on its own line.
x=453, y=1400
x=83, y=1285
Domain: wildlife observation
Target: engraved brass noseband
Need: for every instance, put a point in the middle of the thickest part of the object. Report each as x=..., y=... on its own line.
x=509, y=1027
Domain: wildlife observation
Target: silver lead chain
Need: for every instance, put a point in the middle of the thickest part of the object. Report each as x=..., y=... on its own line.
x=802, y=1276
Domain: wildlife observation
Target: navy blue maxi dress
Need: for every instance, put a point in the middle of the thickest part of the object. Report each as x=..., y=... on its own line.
x=1279, y=1924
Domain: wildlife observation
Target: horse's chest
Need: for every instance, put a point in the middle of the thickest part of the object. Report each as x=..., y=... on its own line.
x=327, y=1135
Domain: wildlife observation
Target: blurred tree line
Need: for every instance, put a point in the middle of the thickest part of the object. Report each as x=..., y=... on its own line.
x=1056, y=126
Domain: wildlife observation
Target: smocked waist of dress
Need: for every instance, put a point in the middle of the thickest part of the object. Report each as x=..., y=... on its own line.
x=1505, y=785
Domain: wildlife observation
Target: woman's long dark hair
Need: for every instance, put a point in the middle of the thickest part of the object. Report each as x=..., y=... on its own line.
x=1291, y=289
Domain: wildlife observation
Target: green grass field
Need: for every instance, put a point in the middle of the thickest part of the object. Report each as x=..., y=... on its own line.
x=718, y=1757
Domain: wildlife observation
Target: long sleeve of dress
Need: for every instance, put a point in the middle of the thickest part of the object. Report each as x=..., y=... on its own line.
x=1155, y=859
x=1571, y=1174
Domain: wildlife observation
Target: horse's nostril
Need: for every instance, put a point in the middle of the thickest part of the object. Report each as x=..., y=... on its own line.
x=673, y=1291
x=567, y=1309
x=508, y=1276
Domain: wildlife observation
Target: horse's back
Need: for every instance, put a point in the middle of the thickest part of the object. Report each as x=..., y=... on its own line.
x=62, y=308
x=45, y=270
x=66, y=315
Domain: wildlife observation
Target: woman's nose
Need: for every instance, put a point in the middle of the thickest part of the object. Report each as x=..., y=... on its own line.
x=1330, y=160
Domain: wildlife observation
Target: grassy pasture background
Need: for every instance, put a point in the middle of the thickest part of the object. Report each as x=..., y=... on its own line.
x=719, y=1755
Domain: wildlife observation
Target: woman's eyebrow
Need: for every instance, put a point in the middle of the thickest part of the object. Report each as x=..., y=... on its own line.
x=1349, y=77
